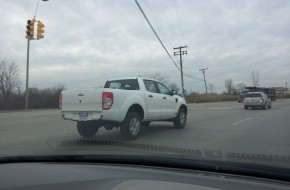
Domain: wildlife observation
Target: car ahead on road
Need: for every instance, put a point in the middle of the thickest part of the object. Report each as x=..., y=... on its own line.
x=127, y=103
x=242, y=95
x=257, y=99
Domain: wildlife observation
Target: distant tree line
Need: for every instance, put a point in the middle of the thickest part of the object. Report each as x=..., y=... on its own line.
x=231, y=88
x=11, y=96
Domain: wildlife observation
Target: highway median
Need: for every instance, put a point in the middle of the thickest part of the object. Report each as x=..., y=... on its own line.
x=204, y=98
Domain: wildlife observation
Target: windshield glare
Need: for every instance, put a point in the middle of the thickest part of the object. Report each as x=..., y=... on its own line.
x=145, y=77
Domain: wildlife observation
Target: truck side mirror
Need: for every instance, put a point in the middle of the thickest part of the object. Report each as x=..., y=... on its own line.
x=174, y=92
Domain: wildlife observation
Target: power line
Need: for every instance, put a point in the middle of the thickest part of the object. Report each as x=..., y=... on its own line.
x=136, y=1
x=194, y=82
x=174, y=33
x=181, y=31
x=160, y=39
x=192, y=77
x=157, y=23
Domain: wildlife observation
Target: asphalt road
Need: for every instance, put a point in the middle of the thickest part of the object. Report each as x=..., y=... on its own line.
x=222, y=126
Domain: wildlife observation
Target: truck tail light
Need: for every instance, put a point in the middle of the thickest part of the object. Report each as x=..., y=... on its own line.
x=60, y=101
x=108, y=100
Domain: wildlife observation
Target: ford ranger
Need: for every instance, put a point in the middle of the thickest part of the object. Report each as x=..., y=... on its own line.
x=128, y=103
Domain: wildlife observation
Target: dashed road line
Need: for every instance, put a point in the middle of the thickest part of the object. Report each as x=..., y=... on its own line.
x=241, y=121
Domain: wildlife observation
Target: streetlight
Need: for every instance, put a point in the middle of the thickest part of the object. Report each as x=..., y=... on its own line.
x=30, y=34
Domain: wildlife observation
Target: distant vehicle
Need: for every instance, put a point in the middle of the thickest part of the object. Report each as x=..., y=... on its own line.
x=271, y=92
x=257, y=99
x=242, y=95
x=127, y=103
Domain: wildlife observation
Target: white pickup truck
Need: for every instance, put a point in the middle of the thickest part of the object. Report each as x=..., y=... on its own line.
x=129, y=103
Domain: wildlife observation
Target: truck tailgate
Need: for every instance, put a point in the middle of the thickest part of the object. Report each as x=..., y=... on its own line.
x=83, y=100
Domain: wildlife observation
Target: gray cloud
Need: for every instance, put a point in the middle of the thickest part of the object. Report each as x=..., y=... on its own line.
x=87, y=42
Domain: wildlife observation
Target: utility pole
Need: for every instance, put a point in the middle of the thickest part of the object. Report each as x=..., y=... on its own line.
x=180, y=53
x=204, y=78
x=286, y=90
x=211, y=88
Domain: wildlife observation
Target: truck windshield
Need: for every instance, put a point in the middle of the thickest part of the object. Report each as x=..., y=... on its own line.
x=244, y=92
x=128, y=84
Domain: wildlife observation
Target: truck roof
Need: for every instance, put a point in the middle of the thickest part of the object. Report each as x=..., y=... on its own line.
x=124, y=78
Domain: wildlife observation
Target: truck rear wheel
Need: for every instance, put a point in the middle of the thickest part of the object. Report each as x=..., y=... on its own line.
x=180, y=120
x=87, y=129
x=131, y=127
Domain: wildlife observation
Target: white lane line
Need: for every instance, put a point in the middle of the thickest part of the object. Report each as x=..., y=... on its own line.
x=209, y=108
x=241, y=121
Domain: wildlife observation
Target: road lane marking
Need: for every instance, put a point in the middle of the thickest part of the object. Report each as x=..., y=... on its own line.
x=241, y=121
x=209, y=108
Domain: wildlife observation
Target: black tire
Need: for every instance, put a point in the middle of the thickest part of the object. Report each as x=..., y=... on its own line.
x=264, y=107
x=87, y=129
x=146, y=124
x=180, y=120
x=246, y=107
x=131, y=127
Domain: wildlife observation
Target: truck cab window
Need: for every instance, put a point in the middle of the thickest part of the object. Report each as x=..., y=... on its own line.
x=128, y=84
x=150, y=86
x=163, y=89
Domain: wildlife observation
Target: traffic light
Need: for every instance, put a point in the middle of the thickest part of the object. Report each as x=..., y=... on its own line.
x=40, y=30
x=30, y=29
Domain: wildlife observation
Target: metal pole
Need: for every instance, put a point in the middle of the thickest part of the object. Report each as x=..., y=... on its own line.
x=180, y=53
x=204, y=81
x=27, y=76
x=286, y=90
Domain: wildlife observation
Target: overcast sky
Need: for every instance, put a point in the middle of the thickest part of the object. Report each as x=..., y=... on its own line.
x=87, y=42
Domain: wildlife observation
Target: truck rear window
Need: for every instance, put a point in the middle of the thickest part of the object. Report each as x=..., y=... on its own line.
x=254, y=95
x=128, y=84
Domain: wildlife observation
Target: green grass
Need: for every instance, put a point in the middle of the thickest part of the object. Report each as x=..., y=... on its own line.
x=204, y=98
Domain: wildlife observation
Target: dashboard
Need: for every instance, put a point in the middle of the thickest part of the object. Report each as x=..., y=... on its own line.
x=74, y=175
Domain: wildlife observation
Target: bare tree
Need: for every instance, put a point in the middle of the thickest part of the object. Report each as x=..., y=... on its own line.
x=241, y=86
x=173, y=86
x=9, y=77
x=59, y=87
x=229, y=84
x=157, y=76
x=255, y=78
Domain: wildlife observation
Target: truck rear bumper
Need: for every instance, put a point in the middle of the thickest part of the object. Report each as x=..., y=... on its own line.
x=82, y=116
x=254, y=104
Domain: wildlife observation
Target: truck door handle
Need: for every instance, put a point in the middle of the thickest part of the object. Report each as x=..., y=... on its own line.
x=150, y=96
x=164, y=97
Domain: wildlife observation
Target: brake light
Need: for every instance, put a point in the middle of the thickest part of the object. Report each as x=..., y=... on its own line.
x=60, y=101
x=108, y=100
x=261, y=100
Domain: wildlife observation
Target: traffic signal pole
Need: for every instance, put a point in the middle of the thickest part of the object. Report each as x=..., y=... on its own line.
x=30, y=36
x=27, y=75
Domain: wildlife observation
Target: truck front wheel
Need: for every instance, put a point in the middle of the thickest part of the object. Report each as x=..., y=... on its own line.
x=180, y=120
x=87, y=129
x=131, y=127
